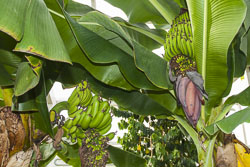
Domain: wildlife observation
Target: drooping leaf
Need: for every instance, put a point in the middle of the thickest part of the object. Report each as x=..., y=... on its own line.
x=242, y=98
x=213, y=31
x=41, y=37
x=240, y=57
x=149, y=38
x=143, y=11
x=5, y=77
x=26, y=79
x=134, y=101
x=109, y=24
x=109, y=74
x=228, y=124
x=75, y=9
x=12, y=12
x=236, y=60
x=121, y=158
x=154, y=67
x=100, y=50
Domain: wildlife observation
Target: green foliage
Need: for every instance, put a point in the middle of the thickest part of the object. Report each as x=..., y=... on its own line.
x=160, y=142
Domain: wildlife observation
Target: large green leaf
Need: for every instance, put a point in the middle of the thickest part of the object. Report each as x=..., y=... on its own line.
x=227, y=125
x=154, y=67
x=142, y=11
x=242, y=98
x=41, y=37
x=121, y=158
x=109, y=74
x=214, y=24
x=100, y=50
x=130, y=100
x=12, y=15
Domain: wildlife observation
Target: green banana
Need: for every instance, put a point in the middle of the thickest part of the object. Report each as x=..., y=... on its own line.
x=189, y=47
x=89, y=109
x=82, y=117
x=75, y=113
x=111, y=135
x=104, y=106
x=72, y=109
x=85, y=122
x=69, y=123
x=97, y=119
x=75, y=101
x=105, y=130
x=73, y=94
x=73, y=138
x=79, y=142
x=107, y=117
x=72, y=129
x=95, y=108
x=86, y=98
x=76, y=119
x=183, y=42
x=96, y=97
x=105, y=125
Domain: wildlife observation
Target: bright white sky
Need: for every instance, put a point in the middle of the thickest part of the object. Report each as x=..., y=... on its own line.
x=58, y=94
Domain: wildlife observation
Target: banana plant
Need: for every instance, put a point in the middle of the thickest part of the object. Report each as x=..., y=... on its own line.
x=45, y=41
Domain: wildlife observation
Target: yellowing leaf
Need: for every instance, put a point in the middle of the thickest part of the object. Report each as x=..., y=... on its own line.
x=242, y=157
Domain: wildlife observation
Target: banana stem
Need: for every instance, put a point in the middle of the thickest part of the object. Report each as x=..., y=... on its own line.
x=7, y=95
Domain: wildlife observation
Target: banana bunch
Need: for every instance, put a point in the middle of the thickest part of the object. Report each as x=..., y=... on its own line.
x=87, y=112
x=179, y=40
x=188, y=83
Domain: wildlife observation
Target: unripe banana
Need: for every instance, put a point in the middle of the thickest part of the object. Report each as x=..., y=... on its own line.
x=96, y=97
x=111, y=135
x=72, y=109
x=68, y=123
x=85, y=122
x=105, y=130
x=107, y=117
x=76, y=119
x=104, y=106
x=79, y=142
x=104, y=126
x=73, y=138
x=75, y=101
x=72, y=129
x=73, y=94
x=97, y=119
x=89, y=109
x=95, y=108
x=75, y=113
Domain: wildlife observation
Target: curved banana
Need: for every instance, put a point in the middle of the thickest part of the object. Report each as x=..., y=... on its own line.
x=86, y=121
x=97, y=119
x=107, y=117
x=105, y=130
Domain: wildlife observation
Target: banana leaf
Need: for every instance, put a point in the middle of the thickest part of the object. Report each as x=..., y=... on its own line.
x=214, y=25
x=40, y=36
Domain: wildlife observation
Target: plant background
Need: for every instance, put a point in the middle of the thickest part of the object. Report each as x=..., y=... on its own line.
x=57, y=94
